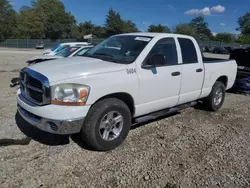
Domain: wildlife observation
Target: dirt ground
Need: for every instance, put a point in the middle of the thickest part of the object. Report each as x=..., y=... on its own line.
x=193, y=148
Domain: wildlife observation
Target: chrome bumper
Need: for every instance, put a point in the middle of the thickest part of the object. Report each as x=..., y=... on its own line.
x=52, y=126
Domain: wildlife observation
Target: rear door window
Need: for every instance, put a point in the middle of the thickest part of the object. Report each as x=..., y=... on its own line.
x=188, y=50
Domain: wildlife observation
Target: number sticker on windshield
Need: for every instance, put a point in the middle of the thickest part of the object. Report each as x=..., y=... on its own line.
x=143, y=39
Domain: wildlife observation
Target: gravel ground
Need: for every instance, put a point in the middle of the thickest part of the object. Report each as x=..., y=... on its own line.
x=193, y=148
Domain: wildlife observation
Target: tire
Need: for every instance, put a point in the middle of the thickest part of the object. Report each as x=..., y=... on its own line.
x=93, y=131
x=213, y=102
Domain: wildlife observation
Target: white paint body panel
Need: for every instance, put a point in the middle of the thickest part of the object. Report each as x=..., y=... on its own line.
x=150, y=90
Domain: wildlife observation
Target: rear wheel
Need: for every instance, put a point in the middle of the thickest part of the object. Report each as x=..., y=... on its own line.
x=106, y=125
x=216, y=98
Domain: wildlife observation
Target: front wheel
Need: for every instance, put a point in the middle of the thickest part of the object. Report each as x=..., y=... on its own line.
x=216, y=98
x=106, y=125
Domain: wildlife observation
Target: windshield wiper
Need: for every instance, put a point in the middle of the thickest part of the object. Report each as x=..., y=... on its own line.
x=105, y=56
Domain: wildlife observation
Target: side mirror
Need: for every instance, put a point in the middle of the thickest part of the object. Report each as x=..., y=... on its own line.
x=154, y=61
x=157, y=60
x=147, y=66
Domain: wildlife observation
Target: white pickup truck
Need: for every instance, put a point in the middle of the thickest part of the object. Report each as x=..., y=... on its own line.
x=126, y=79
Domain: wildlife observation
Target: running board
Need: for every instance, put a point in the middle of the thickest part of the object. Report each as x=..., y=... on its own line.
x=161, y=113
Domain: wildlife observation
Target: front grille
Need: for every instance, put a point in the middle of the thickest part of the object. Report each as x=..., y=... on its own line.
x=34, y=87
x=35, y=83
x=36, y=95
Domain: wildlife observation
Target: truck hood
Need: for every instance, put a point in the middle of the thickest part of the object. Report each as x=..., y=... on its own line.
x=67, y=68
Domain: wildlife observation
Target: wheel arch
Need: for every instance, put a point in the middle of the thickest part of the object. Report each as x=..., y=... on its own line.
x=125, y=97
x=223, y=79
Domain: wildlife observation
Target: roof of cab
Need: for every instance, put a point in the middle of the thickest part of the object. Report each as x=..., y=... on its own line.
x=149, y=34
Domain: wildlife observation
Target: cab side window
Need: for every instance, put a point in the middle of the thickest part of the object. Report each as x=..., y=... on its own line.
x=189, y=54
x=167, y=48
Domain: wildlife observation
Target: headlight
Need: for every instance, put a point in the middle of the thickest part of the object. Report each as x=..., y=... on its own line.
x=69, y=94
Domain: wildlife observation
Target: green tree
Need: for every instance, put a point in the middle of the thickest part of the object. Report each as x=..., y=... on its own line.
x=86, y=28
x=244, y=24
x=7, y=19
x=100, y=32
x=185, y=29
x=225, y=37
x=201, y=26
x=129, y=27
x=244, y=39
x=56, y=20
x=159, y=29
x=29, y=24
x=114, y=23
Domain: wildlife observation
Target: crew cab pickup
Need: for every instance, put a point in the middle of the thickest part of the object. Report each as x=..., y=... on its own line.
x=125, y=79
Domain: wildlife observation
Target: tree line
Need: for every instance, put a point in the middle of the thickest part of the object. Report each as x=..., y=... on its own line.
x=48, y=19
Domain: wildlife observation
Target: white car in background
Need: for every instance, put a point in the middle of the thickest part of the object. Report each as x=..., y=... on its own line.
x=59, y=47
x=66, y=52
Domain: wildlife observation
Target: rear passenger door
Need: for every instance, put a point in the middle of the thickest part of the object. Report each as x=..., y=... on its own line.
x=192, y=71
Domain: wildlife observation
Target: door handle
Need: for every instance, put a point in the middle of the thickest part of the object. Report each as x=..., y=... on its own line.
x=199, y=70
x=176, y=73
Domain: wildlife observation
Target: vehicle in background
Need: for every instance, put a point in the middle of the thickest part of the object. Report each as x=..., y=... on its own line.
x=67, y=52
x=242, y=82
x=40, y=45
x=220, y=50
x=229, y=48
x=202, y=48
x=59, y=47
x=101, y=94
x=242, y=58
x=208, y=49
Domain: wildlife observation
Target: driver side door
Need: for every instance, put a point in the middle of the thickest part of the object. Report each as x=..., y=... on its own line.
x=159, y=86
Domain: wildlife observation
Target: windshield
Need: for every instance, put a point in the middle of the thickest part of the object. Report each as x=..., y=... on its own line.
x=67, y=51
x=119, y=49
